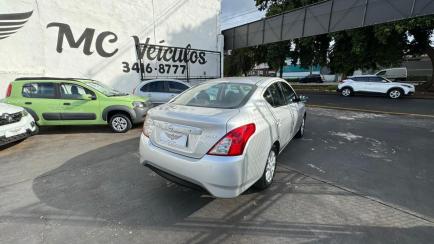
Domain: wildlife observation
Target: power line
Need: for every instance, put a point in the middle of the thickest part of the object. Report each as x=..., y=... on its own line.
x=240, y=14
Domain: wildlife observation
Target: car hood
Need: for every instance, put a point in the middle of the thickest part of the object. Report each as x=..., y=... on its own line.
x=10, y=109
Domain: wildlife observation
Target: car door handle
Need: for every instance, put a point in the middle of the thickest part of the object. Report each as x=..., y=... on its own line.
x=28, y=103
x=67, y=104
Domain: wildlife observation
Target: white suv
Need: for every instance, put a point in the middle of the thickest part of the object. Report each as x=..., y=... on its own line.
x=374, y=84
x=15, y=124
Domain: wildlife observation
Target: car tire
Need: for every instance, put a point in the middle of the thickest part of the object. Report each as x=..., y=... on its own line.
x=346, y=92
x=300, y=132
x=395, y=93
x=120, y=123
x=268, y=174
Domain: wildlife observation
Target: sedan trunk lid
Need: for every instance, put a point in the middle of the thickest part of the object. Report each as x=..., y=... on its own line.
x=187, y=130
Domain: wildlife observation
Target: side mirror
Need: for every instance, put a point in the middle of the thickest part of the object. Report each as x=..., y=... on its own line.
x=301, y=98
x=88, y=97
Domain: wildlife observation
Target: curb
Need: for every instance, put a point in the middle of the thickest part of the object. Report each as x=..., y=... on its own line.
x=307, y=92
x=369, y=111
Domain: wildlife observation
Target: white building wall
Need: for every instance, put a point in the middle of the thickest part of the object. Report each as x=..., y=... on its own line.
x=32, y=50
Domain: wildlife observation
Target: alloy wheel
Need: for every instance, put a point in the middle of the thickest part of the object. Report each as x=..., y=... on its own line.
x=346, y=92
x=395, y=94
x=119, y=124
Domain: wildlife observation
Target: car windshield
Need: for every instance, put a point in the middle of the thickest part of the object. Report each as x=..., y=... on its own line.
x=216, y=95
x=104, y=89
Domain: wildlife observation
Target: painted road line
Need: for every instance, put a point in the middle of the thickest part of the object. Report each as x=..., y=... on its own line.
x=369, y=111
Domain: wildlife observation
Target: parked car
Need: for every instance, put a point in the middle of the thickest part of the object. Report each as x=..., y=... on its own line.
x=223, y=135
x=394, y=74
x=69, y=101
x=312, y=79
x=15, y=124
x=374, y=84
x=160, y=90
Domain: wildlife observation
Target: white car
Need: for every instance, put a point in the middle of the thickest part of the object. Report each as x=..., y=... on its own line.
x=15, y=124
x=223, y=135
x=160, y=91
x=374, y=84
x=394, y=74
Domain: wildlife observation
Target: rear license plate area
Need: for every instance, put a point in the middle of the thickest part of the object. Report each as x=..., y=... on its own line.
x=173, y=139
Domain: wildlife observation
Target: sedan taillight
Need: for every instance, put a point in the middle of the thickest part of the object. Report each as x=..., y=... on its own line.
x=233, y=143
x=9, y=90
x=148, y=126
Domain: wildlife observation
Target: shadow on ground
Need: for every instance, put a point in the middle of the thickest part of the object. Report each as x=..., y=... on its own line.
x=110, y=183
x=77, y=129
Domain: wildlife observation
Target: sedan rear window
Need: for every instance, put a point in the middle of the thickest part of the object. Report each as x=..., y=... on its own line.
x=216, y=95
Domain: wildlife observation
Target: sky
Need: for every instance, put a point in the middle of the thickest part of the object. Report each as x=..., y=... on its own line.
x=238, y=12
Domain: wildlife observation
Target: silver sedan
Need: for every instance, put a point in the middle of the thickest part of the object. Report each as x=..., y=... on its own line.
x=224, y=135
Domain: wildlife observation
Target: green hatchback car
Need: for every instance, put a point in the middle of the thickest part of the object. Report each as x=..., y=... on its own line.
x=70, y=101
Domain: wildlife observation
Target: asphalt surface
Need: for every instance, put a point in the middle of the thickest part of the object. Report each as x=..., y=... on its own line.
x=354, y=178
x=375, y=103
x=388, y=157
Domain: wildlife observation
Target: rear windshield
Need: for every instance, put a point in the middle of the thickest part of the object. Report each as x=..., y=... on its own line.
x=216, y=95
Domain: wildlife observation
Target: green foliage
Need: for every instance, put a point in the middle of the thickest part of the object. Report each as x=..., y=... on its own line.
x=361, y=49
x=277, y=54
x=241, y=61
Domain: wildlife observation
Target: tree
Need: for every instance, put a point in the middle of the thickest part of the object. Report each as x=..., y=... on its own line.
x=241, y=61
x=311, y=51
x=366, y=48
x=421, y=30
x=277, y=54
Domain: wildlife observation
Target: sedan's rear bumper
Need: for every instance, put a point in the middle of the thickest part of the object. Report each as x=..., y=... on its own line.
x=220, y=176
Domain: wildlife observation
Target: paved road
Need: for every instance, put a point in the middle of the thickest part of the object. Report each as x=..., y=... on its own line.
x=84, y=185
x=376, y=103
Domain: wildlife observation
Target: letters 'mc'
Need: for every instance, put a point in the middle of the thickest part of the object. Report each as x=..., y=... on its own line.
x=86, y=37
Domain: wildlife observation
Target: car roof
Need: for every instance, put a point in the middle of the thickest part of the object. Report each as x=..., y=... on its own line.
x=254, y=80
x=363, y=76
x=23, y=79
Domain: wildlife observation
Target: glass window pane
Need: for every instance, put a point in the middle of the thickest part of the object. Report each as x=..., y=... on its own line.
x=220, y=95
x=145, y=88
x=375, y=79
x=157, y=86
x=288, y=92
x=73, y=91
x=39, y=90
x=275, y=93
x=176, y=87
